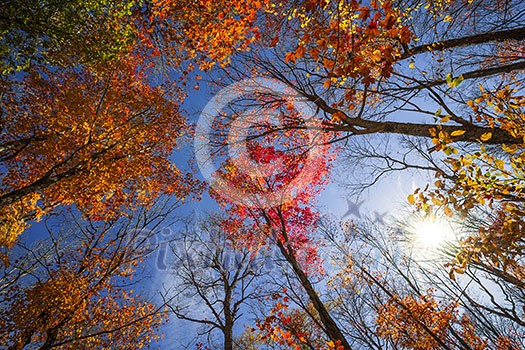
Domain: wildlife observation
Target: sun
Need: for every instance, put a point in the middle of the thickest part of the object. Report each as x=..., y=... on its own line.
x=431, y=231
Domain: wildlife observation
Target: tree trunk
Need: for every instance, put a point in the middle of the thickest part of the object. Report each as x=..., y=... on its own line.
x=228, y=318
x=44, y=182
x=504, y=35
x=472, y=133
x=330, y=326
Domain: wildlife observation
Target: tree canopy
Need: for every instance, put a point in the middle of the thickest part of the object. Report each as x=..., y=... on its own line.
x=93, y=108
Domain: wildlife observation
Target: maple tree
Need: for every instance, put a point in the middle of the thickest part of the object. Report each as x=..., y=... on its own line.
x=99, y=140
x=285, y=225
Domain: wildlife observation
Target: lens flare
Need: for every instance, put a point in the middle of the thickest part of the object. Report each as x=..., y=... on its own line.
x=431, y=231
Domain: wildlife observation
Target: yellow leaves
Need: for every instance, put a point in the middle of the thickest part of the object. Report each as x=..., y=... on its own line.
x=445, y=119
x=457, y=133
x=453, y=82
x=13, y=218
x=481, y=87
x=486, y=136
x=500, y=164
x=482, y=178
x=331, y=345
x=436, y=201
x=412, y=65
x=447, y=18
x=411, y=199
x=337, y=117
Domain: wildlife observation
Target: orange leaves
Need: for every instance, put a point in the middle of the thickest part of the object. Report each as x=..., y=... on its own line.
x=290, y=57
x=364, y=13
x=95, y=138
x=209, y=31
x=363, y=42
x=78, y=299
x=291, y=327
x=423, y=323
x=300, y=51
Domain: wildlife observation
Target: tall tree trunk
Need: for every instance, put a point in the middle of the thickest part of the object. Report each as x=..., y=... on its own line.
x=360, y=126
x=330, y=327
x=228, y=317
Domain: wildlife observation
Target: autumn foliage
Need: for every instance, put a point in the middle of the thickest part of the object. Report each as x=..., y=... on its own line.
x=78, y=294
x=92, y=98
x=97, y=139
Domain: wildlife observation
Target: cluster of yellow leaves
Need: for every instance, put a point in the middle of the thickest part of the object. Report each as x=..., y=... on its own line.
x=486, y=177
x=13, y=220
x=424, y=324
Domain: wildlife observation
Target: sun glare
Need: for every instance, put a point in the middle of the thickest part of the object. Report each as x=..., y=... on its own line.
x=431, y=231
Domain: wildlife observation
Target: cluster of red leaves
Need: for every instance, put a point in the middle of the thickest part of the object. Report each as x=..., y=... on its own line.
x=296, y=177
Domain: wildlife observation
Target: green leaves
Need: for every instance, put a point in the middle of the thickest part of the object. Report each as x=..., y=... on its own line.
x=59, y=33
x=453, y=82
